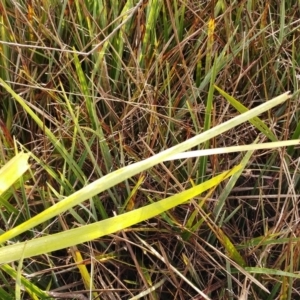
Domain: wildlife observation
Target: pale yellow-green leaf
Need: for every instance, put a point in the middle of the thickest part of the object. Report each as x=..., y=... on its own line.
x=34, y=291
x=92, y=231
x=257, y=122
x=230, y=248
x=13, y=170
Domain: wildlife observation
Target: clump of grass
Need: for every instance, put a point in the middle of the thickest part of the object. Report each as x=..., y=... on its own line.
x=91, y=87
